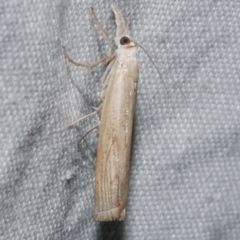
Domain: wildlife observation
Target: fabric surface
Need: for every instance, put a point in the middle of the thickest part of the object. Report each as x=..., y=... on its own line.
x=185, y=167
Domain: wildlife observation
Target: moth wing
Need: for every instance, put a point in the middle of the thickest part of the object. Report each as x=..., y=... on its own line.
x=114, y=144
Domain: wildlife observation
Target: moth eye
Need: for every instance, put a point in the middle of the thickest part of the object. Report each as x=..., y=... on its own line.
x=124, y=40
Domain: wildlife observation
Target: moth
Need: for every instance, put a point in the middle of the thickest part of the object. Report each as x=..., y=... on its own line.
x=119, y=90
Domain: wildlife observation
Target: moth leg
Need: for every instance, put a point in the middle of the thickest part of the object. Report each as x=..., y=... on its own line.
x=129, y=18
x=80, y=119
x=107, y=73
x=102, y=95
x=87, y=132
x=89, y=65
x=96, y=110
x=104, y=34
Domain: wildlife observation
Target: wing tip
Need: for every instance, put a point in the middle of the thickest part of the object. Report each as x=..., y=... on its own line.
x=110, y=215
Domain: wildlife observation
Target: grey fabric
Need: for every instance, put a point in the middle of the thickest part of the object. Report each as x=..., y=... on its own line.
x=185, y=167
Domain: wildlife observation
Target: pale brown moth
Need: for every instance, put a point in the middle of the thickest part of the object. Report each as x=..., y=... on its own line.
x=119, y=88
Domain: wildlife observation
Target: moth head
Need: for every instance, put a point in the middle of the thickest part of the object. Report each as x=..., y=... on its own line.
x=125, y=42
x=123, y=39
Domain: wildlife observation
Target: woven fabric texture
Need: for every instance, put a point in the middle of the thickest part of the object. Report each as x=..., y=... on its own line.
x=185, y=161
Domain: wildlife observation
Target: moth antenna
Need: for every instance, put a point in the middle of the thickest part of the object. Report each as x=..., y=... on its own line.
x=162, y=65
x=104, y=34
x=171, y=76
